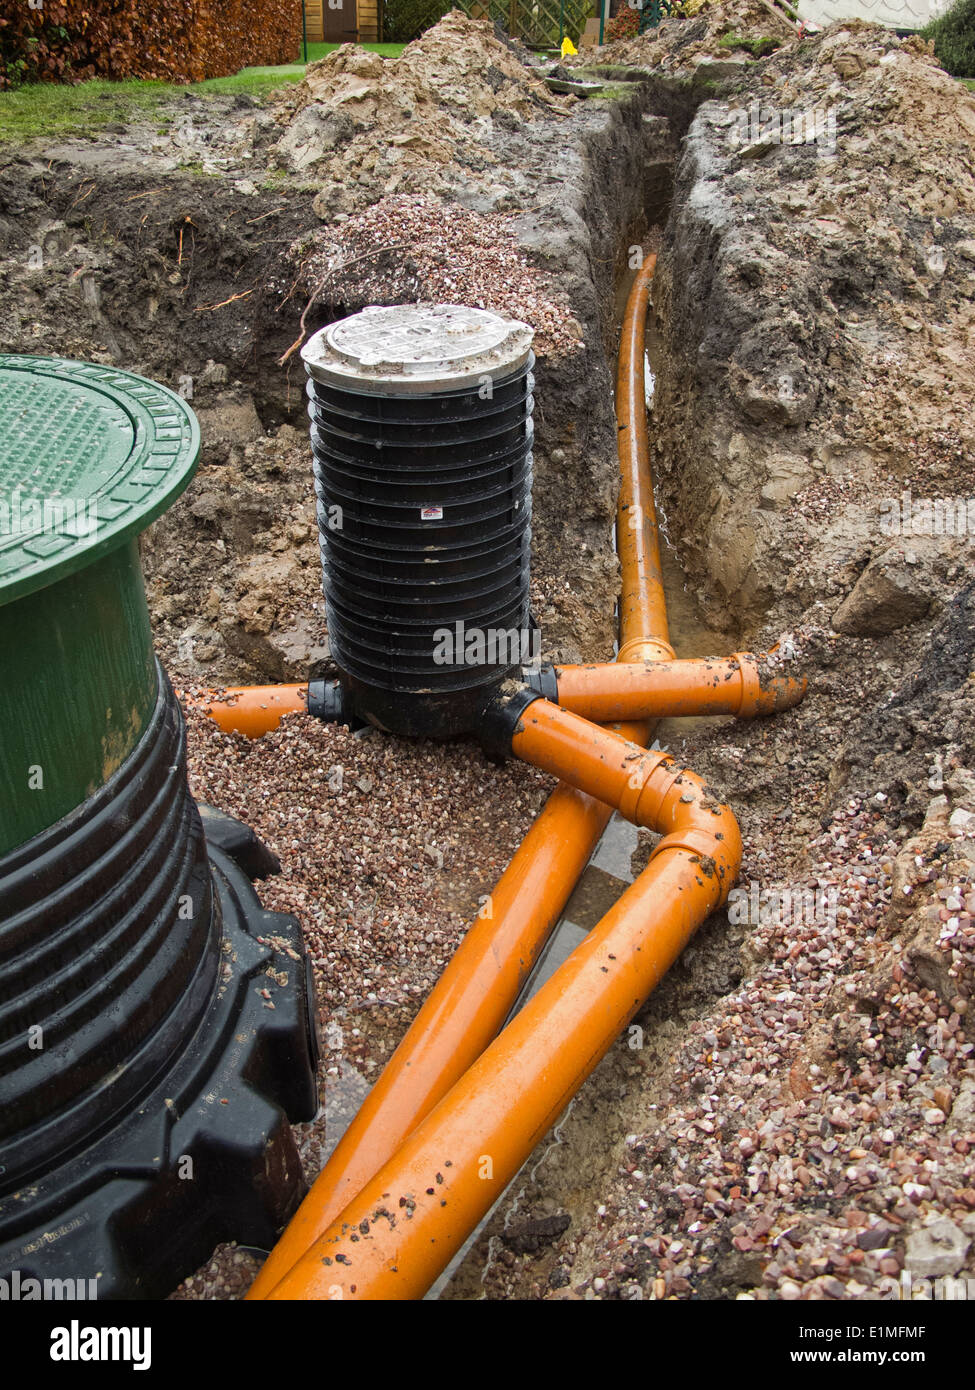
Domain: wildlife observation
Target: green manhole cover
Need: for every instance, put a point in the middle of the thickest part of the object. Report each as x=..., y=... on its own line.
x=89, y=456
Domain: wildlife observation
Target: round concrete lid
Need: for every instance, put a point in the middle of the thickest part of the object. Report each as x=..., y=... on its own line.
x=417, y=349
x=91, y=456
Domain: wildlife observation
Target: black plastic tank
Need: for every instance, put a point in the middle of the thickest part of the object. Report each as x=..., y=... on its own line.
x=422, y=440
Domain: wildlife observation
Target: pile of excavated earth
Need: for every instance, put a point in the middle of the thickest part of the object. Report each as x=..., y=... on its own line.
x=792, y=1115
x=821, y=264
x=722, y=30
x=365, y=127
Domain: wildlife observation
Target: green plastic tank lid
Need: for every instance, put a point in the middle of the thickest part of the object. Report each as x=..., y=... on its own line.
x=89, y=457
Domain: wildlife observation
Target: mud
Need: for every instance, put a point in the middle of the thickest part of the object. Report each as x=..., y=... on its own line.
x=362, y=128
x=116, y=252
x=816, y=300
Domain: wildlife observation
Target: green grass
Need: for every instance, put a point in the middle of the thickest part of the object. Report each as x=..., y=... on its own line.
x=758, y=48
x=385, y=50
x=48, y=110
x=968, y=82
x=618, y=91
x=295, y=71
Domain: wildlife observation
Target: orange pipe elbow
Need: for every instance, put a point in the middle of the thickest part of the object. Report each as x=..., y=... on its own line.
x=733, y=685
x=254, y=710
x=644, y=786
x=402, y=1228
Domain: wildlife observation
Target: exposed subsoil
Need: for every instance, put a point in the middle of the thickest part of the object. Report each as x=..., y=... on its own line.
x=793, y=1112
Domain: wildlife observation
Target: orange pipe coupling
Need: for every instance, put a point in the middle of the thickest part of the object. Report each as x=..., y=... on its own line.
x=396, y=1235
x=740, y=685
x=632, y=779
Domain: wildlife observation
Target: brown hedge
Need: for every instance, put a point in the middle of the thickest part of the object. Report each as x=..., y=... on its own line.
x=176, y=40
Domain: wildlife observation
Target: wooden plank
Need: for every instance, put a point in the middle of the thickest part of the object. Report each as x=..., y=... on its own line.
x=368, y=12
x=314, y=21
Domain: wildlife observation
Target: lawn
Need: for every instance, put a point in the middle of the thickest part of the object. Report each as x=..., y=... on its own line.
x=51, y=110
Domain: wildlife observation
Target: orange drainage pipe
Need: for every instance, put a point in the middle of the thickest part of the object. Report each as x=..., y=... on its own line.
x=643, y=606
x=253, y=710
x=397, y=1234
x=738, y=685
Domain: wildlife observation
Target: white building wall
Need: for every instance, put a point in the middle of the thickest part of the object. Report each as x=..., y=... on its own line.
x=896, y=14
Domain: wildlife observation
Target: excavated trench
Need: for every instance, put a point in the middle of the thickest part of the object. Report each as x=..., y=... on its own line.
x=187, y=280
x=556, y=1193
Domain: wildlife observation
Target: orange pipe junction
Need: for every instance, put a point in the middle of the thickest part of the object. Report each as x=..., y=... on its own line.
x=735, y=685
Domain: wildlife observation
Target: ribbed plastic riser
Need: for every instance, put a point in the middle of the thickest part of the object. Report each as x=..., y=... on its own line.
x=340, y=482
x=130, y=965
x=396, y=607
x=404, y=662
x=424, y=510
x=432, y=539
x=405, y=683
x=364, y=438
x=445, y=405
x=206, y=1155
x=424, y=451
x=506, y=500
x=426, y=608
x=452, y=564
x=426, y=461
x=438, y=586
x=415, y=642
